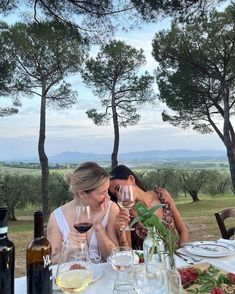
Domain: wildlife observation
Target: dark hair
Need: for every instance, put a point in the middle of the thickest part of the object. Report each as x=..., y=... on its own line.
x=122, y=172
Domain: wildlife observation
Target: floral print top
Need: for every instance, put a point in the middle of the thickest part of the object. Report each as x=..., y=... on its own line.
x=139, y=233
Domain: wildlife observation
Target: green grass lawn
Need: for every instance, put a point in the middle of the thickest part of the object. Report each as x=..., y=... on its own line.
x=199, y=216
x=205, y=207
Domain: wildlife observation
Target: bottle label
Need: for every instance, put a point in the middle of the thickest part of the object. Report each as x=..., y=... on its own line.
x=3, y=230
x=46, y=260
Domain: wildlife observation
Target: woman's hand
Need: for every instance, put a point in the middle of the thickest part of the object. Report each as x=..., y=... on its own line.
x=122, y=220
x=76, y=238
x=97, y=220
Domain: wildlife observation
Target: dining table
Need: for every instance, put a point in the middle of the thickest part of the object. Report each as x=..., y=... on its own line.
x=105, y=283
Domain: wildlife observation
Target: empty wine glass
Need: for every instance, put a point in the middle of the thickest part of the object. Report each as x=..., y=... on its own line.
x=82, y=221
x=74, y=272
x=126, y=200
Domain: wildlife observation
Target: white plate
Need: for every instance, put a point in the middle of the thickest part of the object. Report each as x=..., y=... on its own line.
x=210, y=248
x=97, y=273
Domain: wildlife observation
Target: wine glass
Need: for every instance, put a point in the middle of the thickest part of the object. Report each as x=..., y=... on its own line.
x=126, y=200
x=82, y=221
x=121, y=259
x=95, y=256
x=74, y=272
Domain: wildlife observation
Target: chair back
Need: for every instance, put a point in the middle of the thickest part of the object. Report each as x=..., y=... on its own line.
x=226, y=233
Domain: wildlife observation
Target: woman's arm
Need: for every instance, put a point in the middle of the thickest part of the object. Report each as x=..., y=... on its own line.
x=179, y=223
x=121, y=221
x=106, y=238
x=54, y=236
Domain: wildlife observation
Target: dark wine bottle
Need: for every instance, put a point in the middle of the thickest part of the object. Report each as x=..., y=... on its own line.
x=7, y=256
x=38, y=260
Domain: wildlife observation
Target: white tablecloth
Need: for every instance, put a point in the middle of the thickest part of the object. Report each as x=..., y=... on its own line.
x=104, y=285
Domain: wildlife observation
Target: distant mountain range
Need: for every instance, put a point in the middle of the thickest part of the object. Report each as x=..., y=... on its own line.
x=69, y=157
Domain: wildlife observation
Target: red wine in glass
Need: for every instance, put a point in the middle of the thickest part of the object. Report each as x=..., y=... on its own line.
x=82, y=222
x=82, y=227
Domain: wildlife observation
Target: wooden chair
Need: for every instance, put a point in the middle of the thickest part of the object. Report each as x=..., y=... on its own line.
x=226, y=233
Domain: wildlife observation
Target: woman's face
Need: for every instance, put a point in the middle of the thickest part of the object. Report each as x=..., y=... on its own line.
x=116, y=183
x=97, y=197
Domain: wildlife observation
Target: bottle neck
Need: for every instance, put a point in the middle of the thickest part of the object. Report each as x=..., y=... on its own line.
x=38, y=226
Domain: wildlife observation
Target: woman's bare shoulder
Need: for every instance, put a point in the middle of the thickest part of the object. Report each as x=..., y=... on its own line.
x=67, y=206
x=166, y=194
x=66, y=209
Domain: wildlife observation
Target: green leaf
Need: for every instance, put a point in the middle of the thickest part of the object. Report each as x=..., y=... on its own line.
x=135, y=221
x=140, y=208
x=153, y=209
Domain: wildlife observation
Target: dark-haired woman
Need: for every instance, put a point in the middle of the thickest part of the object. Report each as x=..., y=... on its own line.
x=122, y=175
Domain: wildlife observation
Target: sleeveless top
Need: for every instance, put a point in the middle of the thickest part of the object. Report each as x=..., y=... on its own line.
x=139, y=234
x=64, y=227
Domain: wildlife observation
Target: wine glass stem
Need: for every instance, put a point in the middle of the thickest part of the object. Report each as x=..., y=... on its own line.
x=127, y=228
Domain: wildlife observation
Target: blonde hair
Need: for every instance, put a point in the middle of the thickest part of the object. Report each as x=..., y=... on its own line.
x=86, y=177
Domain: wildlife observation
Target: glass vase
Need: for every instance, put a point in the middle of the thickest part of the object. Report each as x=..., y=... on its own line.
x=153, y=248
x=169, y=261
x=173, y=279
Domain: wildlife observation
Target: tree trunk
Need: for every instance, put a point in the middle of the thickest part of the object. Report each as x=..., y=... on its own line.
x=194, y=196
x=116, y=135
x=12, y=214
x=231, y=160
x=228, y=132
x=43, y=159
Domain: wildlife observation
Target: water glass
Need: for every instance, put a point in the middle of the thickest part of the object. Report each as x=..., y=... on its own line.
x=124, y=288
x=146, y=283
x=121, y=259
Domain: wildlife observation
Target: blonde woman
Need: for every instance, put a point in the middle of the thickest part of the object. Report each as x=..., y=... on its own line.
x=89, y=185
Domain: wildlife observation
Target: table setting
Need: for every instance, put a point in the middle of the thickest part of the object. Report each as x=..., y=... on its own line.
x=104, y=276
x=161, y=268
x=219, y=253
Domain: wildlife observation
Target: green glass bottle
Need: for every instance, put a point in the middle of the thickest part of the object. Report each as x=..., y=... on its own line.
x=38, y=260
x=7, y=256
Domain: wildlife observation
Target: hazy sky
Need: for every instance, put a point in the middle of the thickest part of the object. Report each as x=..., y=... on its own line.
x=71, y=130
